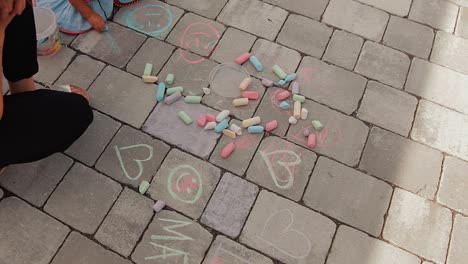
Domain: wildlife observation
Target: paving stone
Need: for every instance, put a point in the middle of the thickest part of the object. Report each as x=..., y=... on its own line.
x=132, y=157
x=115, y=46
x=28, y=235
x=439, y=14
x=153, y=51
x=462, y=24
x=50, y=67
x=66, y=38
x=270, y=53
x=342, y=138
x=460, y=2
x=1, y=194
x=287, y=231
x=239, y=160
x=282, y=167
x=123, y=96
x=233, y=43
x=450, y=51
x=151, y=17
x=83, y=199
x=269, y=110
x=190, y=70
x=305, y=35
x=92, y=143
x=79, y=249
x=164, y=124
x=81, y=72
x=354, y=247
x=397, y=7
x=458, y=252
x=388, y=108
x=34, y=182
x=402, y=162
x=408, y=36
x=453, y=184
x=254, y=16
x=328, y=84
x=185, y=183
x=172, y=238
x=356, y=18
x=207, y=8
x=442, y=129
x=126, y=222
x=438, y=84
x=418, y=225
x=343, y=49
x=309, y=8
x=383, y=64
x=348, y=195
x=187, y=34
x=243, y=112
x=230, y=204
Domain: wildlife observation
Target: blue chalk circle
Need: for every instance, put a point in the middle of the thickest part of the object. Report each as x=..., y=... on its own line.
x=139, y=19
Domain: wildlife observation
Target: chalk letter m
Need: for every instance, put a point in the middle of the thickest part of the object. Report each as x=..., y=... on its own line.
x=169, y=229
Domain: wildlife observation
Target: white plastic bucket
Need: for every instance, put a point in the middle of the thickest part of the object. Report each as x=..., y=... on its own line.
x=48, y=39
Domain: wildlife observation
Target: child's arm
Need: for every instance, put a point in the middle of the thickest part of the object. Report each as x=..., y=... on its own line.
x=93, y=18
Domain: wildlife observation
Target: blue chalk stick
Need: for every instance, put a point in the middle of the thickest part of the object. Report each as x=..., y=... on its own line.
x=284, y=105
x=161, y=91
x=256, y=63
x=291, y=77
x=221, y=126
x=255, y=129
x=281, y=83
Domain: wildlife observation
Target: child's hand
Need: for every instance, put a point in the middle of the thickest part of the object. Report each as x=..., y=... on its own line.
x=97, y=22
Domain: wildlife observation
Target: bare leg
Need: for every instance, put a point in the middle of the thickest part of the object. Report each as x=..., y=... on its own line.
x=25, y=85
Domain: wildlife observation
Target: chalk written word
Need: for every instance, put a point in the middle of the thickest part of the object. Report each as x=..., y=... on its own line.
x=139, y=162
x=168, y=252
x=185, y=184
x=198, y=37
x=278, y=233
x=282, y=181
x=153, y=20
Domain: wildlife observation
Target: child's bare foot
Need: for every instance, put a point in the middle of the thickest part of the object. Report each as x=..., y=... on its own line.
x=80, y=91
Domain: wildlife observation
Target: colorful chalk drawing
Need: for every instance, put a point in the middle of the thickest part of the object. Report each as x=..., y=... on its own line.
x=305, y=75
x=220, y=251
x=168, y=253
x=278, y=180
x=283, y=233
x=153, y=20
x=113, y=43
x=184, y=180
x=139, y=162
x=198, y=36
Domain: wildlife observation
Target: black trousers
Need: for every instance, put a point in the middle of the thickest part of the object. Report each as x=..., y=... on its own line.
x=39, y=123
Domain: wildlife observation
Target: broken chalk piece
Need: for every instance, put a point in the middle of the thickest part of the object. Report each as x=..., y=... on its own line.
x=298, y=98
x=311, y=140
x=297, y=110
x=192, y=99
x=206, y=91
x=295, y=87
x=279, y=72
x=291, y=77
x=106, y=29
x=236, y=129
x=304, y=113
x=210, y=118
x=256, y=63
x=245, y=83
x=144, y=185
x=292, y=120
x=272, y=125
x=240, y=102
x=177, y=89
x=222, y=115
x=210, y=125
x=148, y=69
x=186, y=118
x=172, y=98
x=170, y=78
x=317, y=125
x=201, y=122
x=306, y=132
x=158, y=206
x=221, y=126
x=161, y=91
x=251, y=121
x=227, y=150
x=284, y=105
x=283, y=95
x=229, y=133
x=281, y=83
x=255, y=129
x=251, y=95
x=267, y=83
x=242, y=58
x=149, y=79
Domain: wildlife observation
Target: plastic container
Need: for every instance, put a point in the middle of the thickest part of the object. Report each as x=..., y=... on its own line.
x=47, y=33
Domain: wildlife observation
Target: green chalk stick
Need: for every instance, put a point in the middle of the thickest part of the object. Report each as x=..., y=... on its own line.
x=279, y=72
x=298, y=98
x=186, y=118
x=191, y=99
x=148, y=69
x=144, y=185
x=170, y=78
x=173, y=90
x=317, y=125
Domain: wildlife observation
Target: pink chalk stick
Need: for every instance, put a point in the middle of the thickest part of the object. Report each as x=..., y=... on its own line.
x=227, y=150
x=271, y=125
x=312, y=141
x=242, y=58
x=283, y=95
x=251, y=95
x=202, y=121
x=159, y=205
x=210, y=118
